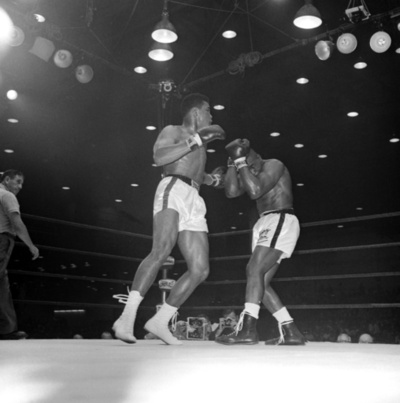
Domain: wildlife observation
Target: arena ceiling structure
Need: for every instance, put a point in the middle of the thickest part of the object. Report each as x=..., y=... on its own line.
x=83, y=141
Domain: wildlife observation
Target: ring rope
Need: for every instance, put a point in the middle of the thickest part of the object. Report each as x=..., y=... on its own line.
x=84, y=252
x=318, y=223
x=85, y=226
x=220, y=282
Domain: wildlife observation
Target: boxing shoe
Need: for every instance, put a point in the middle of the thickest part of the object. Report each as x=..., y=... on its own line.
x=290, y=335
x=245, y=332
x=160, y=330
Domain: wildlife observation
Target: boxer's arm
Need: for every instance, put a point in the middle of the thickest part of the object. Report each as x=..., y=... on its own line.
x=256, y=186
x=169, y=146
x=233, y=183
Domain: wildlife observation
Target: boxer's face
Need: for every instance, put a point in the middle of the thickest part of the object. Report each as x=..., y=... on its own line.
x=204, y=117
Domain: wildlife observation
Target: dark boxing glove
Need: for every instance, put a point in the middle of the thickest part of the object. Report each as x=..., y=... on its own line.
x=238, y=150
x=218, y=177
x=206, y=135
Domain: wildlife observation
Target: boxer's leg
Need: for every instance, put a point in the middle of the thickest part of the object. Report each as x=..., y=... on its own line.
x=165, y=232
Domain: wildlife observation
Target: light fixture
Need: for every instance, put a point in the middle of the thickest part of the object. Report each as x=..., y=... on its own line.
x=324, y=49
x=161, y=52
x=140, y=70
x=12, y=95
x=308, y=17
x=380, y=42
x=84, y=73
x=346, y=43
x=164, y=31
x=275, y=134
x=302, y=80
x=229, y=34
x=16, y=36
x=43, y=48
x=360, y=63
x=219, y=107
x=352, y=114
x=63, y=58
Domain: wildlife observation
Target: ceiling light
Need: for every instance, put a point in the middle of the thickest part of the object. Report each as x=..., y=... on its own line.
x=135, y=185
x=12, y=120
x=346, y=43
x=8, y=151
x=84, y=73
x=12, y=94
x=275, y=134
x=65, y=188
x=39, y=17
x=299, y=145
x=322, y=156
x=359, y=208
x=210, y=150
x=340, y=226
x=219, y=107
x=360, y=64
x=302, y=80
x=380, y=42
x=161, y=52
x=164, y=31
x=140, y=70
x=308, y=17
x=352, y=114
x=300, y=184
x=118, y=200
x=324, y=49
x=394, y=139
x=229, y=34
x=16, y=36
x=63, y=58
x=150, y=127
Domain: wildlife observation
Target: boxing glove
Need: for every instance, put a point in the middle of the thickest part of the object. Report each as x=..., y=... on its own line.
x=206, y=135
x=238, y=150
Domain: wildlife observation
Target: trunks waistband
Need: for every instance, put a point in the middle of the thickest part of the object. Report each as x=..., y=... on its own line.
x=284, y=211
x=185, y=179
x=7, y=234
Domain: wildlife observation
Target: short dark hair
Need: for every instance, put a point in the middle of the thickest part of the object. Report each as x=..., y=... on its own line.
x=195, y=100
x=11, y=173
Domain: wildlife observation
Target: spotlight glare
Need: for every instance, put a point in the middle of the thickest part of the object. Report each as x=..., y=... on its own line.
x=219, y=107
x=352, y=114
x=12, y=94
x=229, y=34
x=302, y=80
x=140, y=70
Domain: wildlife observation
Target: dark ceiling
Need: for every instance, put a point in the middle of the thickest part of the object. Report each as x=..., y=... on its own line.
x=92, y=137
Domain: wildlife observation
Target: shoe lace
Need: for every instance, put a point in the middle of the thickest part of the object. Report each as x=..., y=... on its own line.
x=239, y=325
x=282, y=332
x=174, y=321
x=122, y=298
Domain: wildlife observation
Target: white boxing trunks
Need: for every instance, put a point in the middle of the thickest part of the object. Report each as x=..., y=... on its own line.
x=177, y=194
x=278, y=230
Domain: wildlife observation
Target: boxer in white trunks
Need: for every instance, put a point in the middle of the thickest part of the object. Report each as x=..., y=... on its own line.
x=178, y=217
x=275, y=235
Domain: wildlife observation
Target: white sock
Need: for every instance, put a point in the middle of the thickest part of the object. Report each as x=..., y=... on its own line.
x=282, y=315
x=252, y=309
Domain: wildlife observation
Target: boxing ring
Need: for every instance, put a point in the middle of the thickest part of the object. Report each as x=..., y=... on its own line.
x=331, y=283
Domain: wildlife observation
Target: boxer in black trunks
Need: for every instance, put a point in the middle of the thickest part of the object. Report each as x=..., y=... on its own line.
x=275, y=235
x=178, y=216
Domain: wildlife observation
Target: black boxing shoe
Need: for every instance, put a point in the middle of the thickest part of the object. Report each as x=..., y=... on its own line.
x=245, y=332
x=17, y=335
x=290, y=336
